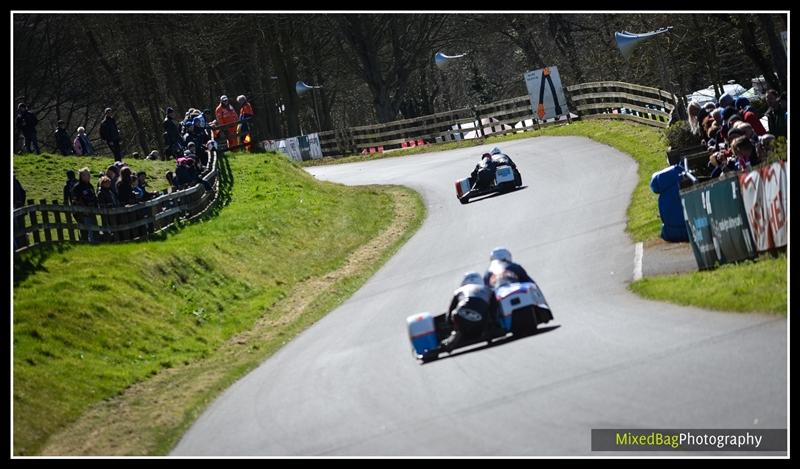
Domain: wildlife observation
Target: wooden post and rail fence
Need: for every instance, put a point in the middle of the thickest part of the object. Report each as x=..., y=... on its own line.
x=46, y=223
x=603, y=99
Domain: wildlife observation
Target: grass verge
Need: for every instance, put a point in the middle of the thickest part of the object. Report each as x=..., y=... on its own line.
x=744, y=287
x=118, y=347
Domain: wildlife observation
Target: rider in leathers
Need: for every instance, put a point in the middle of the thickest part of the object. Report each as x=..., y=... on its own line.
x=470, y=309
x=483, y=174
x=501, y=158
x=502, y=270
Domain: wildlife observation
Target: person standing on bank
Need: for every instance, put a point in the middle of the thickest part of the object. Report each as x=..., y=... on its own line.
x=110, y=134
x=26, y=122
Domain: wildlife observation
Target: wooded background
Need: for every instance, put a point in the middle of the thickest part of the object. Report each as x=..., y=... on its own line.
x=374, y=68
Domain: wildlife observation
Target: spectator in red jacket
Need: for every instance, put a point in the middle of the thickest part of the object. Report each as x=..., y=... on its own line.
x=226, y=114
x=742, y=106
x=245, y=115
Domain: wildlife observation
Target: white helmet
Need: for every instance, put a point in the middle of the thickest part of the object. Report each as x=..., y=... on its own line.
x=472, y=278
x=495, y=151
x=500, y=254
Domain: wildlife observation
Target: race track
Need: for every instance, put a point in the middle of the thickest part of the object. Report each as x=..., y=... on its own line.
x=349, y=385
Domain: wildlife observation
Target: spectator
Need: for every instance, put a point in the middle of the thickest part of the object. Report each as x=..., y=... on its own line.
x=172, y=135
x=83, y=195
x=226, y=116
x=141, y=177
x=138, y=192
x=112, y=172
x=776, y=114
x=722, y=161
x=82, y=145
x=198, y=115
x=197, y=140
x=26, y=122
x=71, y=181
x=701, y=116
x=105, y=196
x=709, y=107
x=170, y=177
x=62, y=139
x=189, y=152
x=187, y=174
x=727, y=113
x=188, y=121
x=154, y=155
x=183, y=174
x=245, y=115
x=742, y=106
x=110, y=134
x=748, y=131
x=743, y=150
x=692, y=111
x=725, y=100
x=717, y=115
x=125, y=187
x=710, y=128
x=763, y=148
x=208, y=118
x=19, y=193
x=191, y=148
x=733, y=120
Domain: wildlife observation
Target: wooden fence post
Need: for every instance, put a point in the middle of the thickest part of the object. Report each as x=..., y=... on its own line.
x=34, y=229
x=59, y=230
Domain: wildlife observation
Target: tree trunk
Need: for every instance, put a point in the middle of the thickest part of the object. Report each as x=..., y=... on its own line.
x=748, y=38
x=776, y=50
x=283, y=59
x=115, y=79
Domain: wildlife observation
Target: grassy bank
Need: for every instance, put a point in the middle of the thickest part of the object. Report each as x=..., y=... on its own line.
x=96, y=322
x=745, y=287
x=43, y=176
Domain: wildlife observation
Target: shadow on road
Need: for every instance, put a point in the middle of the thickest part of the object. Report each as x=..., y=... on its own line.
x=496, y=194
x=495, y=343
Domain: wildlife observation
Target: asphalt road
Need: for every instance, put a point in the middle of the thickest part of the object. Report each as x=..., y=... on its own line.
x=349, y=385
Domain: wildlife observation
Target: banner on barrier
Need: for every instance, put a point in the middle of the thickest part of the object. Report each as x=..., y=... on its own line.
x=729, y=222
x=302, y=148
x=719, y=230
x=774, y=177
x=764, y=197
x=315, y=148
x=699, y=225
x=753, y=198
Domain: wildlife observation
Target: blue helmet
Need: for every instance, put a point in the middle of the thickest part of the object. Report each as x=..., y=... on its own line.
x=741, y=102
